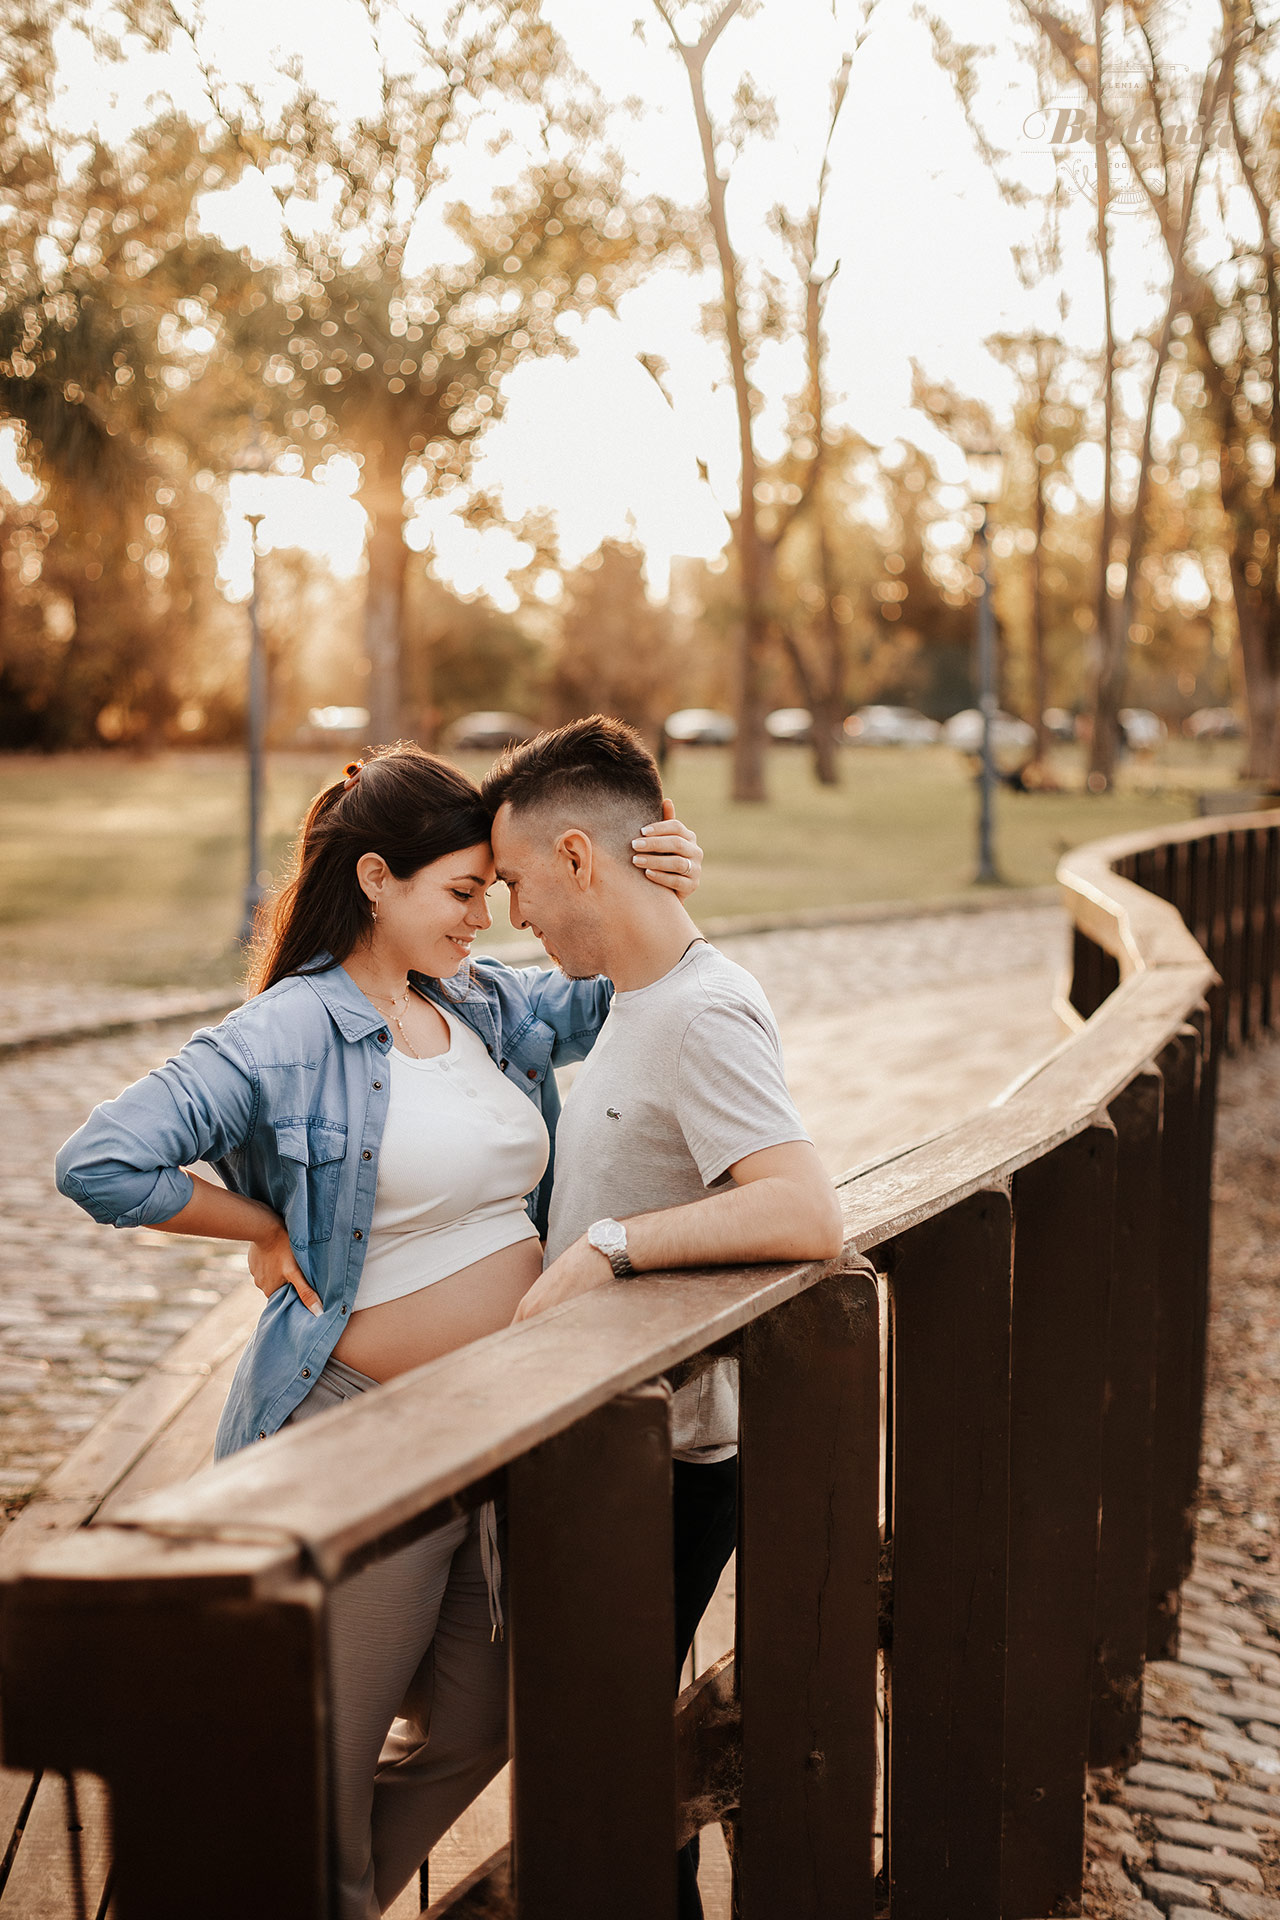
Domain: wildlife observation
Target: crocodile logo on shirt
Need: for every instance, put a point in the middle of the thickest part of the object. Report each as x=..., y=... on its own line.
x=612, y=1113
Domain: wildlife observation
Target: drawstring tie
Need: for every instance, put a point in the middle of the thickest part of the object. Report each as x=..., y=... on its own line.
x=492, y=1564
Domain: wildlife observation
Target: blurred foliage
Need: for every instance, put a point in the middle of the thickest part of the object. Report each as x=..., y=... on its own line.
x=615, y=652
x=137, y=352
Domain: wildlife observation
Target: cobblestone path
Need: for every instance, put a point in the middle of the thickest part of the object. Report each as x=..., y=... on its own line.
x=1194, y=1828
x=84, y=1310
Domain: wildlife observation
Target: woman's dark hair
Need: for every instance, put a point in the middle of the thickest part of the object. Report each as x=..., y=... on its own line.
x=399, y=802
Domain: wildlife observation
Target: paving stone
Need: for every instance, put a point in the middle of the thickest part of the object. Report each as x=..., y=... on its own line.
x=1223, y=1557
x=1172, y=1779
x=1199, y=1864
x=1108, y=1814
x=1257, y=1691
x=1249, y=1906
x=1202, y=1717
x=1112, y=1843
x=1197, y=1833
x=1203, y=1660
x=1262, y=1800
x=1185, y=1913
x=1264, y=1733
x=1209, y=1579
x=1250, y=1753
x=1175, y=1890
x=1224, y=1815
x=1188, y=1756
x=1154, y=1800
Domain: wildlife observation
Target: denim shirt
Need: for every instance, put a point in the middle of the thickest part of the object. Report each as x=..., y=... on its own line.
x=287, y=1098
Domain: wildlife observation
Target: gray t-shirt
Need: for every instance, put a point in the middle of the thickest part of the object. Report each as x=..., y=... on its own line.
x=684, y=1080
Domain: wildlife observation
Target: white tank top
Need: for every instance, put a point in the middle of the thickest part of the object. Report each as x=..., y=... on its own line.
x=460, y=1149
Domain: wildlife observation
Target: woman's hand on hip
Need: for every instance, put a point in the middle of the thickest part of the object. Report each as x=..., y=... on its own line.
x=273, y=1266
x=669, y=853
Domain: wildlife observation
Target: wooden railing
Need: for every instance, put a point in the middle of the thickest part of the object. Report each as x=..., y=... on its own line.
x=1045, y=1275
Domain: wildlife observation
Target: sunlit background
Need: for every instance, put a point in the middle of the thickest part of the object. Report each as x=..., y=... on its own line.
x=421, y=326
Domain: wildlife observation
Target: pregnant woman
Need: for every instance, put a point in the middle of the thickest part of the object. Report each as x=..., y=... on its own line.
x=381, y=1113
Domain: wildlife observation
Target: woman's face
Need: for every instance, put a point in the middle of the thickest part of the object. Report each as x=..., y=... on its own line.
x=429, y=921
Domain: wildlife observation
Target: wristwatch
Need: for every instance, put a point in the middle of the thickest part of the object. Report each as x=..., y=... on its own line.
x=609, y=1237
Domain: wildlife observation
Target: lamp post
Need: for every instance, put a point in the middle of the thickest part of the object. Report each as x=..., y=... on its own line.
x=986, y=478
x=249, y=466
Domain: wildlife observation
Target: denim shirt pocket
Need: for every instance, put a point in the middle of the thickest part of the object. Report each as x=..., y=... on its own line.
x=311, y=1152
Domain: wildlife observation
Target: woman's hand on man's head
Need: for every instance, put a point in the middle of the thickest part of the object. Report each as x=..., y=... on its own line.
x=668, y=853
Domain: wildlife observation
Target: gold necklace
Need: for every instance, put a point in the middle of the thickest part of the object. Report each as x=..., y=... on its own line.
x=380, y=999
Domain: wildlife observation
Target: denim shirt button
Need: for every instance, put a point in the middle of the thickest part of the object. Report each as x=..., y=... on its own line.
x=366, y=1155
x=343, y=1307
x=262, y=1435
x=306, y=1373
x=357, y=1235
x=502, y=1066
x=382, y=1036
x=531, y=1073
x=377, y=1086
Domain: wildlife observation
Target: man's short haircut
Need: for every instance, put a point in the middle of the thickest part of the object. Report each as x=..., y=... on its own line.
x=598, y=768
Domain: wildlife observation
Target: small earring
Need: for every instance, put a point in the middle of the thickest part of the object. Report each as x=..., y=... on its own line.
x=373, y=908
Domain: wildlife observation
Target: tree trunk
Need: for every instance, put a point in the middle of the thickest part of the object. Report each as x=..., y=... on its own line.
x=1105, y=742
x=749, y=747
x=388, y=559
x=1039, y=663
x=1259, y=625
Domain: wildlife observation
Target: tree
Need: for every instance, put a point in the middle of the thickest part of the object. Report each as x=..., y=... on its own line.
x=747, y=317
x=614, y=654
x=100, y=253
x=358, y=339
x=1170, y=180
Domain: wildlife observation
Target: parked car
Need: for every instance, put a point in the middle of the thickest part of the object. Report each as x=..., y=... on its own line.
x=1060, y=723
x=1213, y=723
x=700, y=727
x=338, y=719
x=488, y=732
x=891, y=727
x=1143, y=730
x=790, y=726
x=1008, y=734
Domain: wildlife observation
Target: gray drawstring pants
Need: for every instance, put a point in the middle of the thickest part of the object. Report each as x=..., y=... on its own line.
x=418, y=1687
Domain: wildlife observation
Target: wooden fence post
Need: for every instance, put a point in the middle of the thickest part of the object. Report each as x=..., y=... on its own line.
x=592, y=1633
x=1063, y=1209
x=808, y=1578
x=949, y=1452
x=1269, y=937
x=1178, y=1310
x=1120, y=1632
x=198, y=1692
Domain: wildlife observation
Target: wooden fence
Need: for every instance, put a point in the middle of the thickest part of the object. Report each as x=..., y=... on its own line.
x=1045, y=1271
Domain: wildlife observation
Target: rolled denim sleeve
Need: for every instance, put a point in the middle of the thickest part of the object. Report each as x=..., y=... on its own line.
x=575, y=1010
x=125, y=1164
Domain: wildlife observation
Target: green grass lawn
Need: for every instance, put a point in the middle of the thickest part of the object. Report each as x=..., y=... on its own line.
x=132, y=871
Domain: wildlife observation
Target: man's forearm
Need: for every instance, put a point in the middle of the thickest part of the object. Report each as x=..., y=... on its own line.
x=771, y=1219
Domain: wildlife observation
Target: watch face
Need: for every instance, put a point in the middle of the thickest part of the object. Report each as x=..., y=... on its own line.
x=608, y=1236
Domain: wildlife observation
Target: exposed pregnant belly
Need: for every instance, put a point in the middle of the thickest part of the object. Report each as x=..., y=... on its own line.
x=390, y=1339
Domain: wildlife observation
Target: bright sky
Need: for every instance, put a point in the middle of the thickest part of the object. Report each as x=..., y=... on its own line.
x=922, y=236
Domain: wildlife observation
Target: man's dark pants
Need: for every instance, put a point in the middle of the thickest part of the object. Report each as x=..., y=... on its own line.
x=705, y=1517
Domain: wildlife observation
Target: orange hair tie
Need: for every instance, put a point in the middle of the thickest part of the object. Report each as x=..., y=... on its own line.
x=353, y=770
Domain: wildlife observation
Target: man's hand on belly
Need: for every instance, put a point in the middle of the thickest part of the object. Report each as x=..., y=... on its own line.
x=579, y=1269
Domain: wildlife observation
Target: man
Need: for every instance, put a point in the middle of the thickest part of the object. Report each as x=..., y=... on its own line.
x=679, y=1144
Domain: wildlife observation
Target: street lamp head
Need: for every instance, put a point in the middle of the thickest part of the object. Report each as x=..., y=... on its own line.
x=248, y=470
x=986, y=474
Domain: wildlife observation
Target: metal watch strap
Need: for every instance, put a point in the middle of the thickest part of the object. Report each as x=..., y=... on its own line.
x=612, y=1243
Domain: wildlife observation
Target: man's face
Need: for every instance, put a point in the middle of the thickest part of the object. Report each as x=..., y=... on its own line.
x=547, y=895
